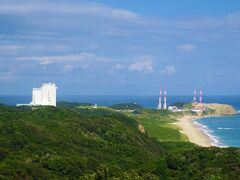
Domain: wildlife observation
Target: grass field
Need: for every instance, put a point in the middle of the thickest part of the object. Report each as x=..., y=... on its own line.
x=158, y=124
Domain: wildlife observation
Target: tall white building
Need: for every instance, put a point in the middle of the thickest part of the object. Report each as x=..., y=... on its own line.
x=46, y=95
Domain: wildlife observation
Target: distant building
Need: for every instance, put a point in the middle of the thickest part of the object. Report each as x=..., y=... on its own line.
x=46, y=95
x=199, y=108
x=174, y=109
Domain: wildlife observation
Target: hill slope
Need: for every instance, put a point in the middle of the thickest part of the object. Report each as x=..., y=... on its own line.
x=81, y=143
x=222, y=109
x=56, y=142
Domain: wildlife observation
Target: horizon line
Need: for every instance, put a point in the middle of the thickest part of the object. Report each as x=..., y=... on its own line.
x=123, y=95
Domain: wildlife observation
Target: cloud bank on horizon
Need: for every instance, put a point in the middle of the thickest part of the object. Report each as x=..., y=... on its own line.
x=102, y=47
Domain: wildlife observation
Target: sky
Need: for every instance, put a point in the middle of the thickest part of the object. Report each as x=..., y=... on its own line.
x=120, y=47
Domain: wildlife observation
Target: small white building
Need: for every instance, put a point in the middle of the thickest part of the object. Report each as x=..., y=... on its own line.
x=199, y=108
x=174, y=109
x=46, y=95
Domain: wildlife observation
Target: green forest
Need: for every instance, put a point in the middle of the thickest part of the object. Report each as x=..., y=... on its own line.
x=71, y=142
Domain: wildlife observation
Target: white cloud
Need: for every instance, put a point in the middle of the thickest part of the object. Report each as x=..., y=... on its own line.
x=60, y=7
x=33, y=47
x=169, y=70
x=5, y=76
x=119, y=66
x=187, y=47
x=68, y=68
x=11, y=47
x=45, y=60
x=120, y=13
x=145, y=66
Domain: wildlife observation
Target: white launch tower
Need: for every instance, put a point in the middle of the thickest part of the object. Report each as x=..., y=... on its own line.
x=195, y=97
x=164, y=106
x=200, y=98
x=160, y=100
x=165, y=100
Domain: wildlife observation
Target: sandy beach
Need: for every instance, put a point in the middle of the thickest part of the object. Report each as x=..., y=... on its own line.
x=193, y=131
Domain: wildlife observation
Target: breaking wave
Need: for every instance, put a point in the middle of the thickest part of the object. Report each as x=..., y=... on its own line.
x=215, y=141
x=220, y=128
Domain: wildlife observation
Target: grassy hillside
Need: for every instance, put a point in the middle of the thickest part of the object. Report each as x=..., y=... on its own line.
x=182, y=105
x=221, y=109
x=158, y=124
x=127, y=106
x=55, y=142
x=69, y=142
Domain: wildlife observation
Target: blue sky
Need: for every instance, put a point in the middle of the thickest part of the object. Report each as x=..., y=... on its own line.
x=131, y=47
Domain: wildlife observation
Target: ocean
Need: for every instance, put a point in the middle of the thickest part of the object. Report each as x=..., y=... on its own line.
x=224, y=131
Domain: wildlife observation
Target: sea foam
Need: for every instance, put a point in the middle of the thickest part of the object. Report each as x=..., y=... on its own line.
x=215, y=141
x=221, y=128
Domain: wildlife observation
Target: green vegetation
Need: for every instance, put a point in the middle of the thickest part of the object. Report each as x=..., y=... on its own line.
x=182, y=105
x=73, y=105
x=158, y=124
x=69, y=142
x=98, y=107
x=221, y=109
x=128, y=106
x=49, y=142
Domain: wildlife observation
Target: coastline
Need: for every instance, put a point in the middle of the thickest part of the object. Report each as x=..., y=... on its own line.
x=214, y=140
x=198, y=133
x=193, y=130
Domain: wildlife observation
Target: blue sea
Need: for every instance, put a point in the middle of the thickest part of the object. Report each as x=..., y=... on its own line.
x=224, y=131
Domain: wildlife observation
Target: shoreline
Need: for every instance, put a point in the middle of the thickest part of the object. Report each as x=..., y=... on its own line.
x=212, y=139
x=198, y=133
x=193, y=130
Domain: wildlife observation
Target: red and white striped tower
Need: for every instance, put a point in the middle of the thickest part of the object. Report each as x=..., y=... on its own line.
x=165, y=99
x=195, y=97
x=160, y=100
x=200, y=98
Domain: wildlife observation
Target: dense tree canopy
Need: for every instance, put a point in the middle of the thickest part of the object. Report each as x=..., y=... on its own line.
x=70, y=142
